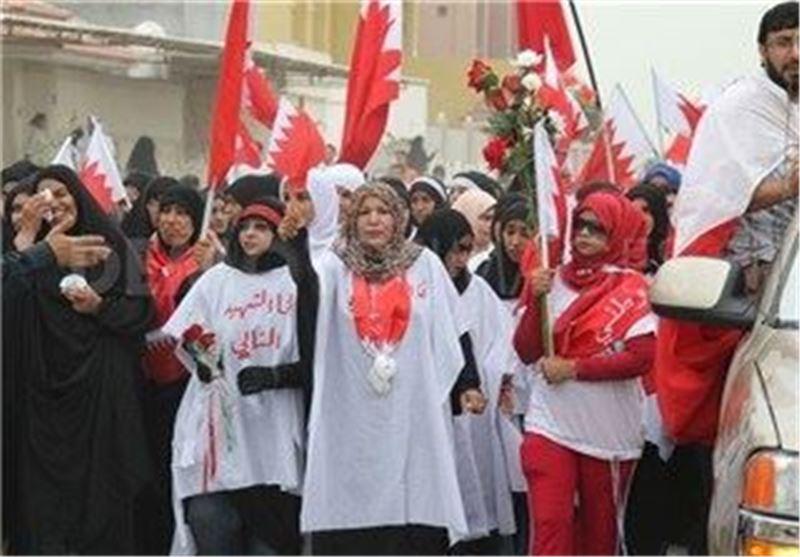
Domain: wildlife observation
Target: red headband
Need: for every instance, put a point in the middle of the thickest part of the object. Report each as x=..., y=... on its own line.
x=263, y=212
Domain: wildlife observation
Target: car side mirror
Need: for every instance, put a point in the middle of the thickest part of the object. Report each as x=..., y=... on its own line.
x=703, y=290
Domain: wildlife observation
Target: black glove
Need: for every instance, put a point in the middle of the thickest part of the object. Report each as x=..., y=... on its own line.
x=254, y=379
x=203, y=372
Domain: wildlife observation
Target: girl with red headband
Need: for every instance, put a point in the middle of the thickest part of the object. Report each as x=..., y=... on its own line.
x=247, y=337
x=583, y=426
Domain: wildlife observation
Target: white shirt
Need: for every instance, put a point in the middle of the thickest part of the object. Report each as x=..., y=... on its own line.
x=260, y=436
x=602, y=419
x=384, y=460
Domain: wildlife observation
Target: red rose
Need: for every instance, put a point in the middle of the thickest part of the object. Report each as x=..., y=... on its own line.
x=496, y=100
x=546, y=96
x=495, y=152
x=512, y=83
x=192, y=333
x=477, y=74
x=206, y=341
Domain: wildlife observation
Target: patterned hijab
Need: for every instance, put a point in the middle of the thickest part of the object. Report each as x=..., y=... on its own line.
x=396, y=257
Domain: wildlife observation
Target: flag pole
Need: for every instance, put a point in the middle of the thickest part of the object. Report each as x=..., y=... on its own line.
x=210, y=194
x=659, y=117
x=585, y=49
x=544, y=305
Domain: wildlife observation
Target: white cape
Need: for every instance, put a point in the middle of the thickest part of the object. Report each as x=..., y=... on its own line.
x=254, y=318
x=480, y=456
x=384, y=460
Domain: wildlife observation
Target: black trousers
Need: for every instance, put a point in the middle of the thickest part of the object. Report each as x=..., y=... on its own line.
x=385, y=540
x=669, y=501
x=256, y=520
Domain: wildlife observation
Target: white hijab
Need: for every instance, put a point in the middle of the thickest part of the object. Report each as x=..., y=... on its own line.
x=322, y=183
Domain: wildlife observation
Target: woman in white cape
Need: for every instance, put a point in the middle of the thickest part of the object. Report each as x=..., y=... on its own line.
x=480, y=455
x=381, y=474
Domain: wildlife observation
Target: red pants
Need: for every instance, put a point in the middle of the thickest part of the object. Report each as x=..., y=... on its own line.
x=555, y=474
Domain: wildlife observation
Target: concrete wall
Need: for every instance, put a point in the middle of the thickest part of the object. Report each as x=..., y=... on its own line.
x=172, y=113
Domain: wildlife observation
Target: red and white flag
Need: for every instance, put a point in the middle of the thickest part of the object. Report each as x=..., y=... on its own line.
x=677, y=114
x=296, y=145
x=540, y=20
x=622, y=148
x=550, y=194
x=564, y=110
x=374, y=80
x=99, y=172
x=225, y=125
x=743, y=137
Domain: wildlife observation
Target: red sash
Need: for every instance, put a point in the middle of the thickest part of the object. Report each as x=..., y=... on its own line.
x=601, y=315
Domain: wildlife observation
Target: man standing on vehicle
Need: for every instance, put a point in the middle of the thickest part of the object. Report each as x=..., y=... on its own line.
x=739, y=194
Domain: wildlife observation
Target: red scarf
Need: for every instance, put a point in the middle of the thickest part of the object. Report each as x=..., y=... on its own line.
x=601, y=315
x=381, y=311
x=626, y=235
x=165, y=277
x=609, y=302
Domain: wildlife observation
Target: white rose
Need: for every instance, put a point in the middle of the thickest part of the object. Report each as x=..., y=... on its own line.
x=528, y=58
x=531, y=81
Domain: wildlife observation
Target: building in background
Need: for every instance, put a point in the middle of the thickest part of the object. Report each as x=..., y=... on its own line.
x=150, y=69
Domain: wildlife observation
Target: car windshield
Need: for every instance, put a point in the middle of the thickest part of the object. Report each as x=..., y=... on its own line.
x=788, y=307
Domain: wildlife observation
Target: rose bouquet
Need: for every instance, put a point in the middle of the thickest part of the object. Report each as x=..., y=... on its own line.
x=515, y=110
x=517, y=102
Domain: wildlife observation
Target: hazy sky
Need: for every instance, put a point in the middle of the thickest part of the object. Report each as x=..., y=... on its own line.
x=691, y=44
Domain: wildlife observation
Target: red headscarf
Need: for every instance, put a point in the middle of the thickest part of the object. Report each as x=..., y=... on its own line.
x=626, y=232
x=609, y=303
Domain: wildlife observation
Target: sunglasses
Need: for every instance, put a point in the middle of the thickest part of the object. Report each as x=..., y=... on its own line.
x=589, y=227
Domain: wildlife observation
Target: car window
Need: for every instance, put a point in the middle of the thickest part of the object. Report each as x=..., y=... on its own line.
x=789, y=305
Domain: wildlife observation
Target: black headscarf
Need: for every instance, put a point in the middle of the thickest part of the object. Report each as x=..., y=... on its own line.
x=246, y=189
x=136, y=224
x=656, y=201
x=138, y=180
x=26, y=186
x=442, y=231
x=187, y=199
x=401, y=190
x=120, y=274
x=433, y=187
x=274, y=256
x=18, y=171
x=499, y=270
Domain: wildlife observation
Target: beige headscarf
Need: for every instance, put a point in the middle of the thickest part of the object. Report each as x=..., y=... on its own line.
x=398, y=255
x=472, y=204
